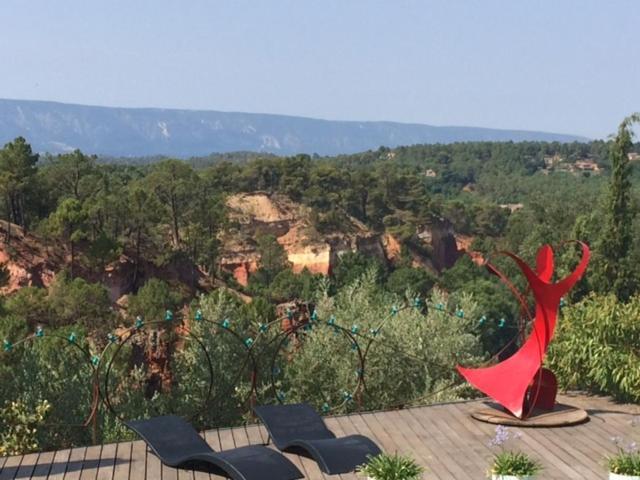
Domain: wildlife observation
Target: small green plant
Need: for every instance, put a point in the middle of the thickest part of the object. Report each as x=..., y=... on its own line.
x=627, y=460
x=20, y=427
x=507, y=462
x=391, y=467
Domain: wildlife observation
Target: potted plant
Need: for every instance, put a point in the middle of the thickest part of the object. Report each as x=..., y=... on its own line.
x=391, y=467
x=510, y=464
x=625, y=464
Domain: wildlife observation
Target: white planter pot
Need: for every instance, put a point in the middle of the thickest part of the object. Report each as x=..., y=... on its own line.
x=510, y=477
x=617, y=476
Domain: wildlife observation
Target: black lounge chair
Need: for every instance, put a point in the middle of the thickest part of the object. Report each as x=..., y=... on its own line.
x=177, y=444
x=298, y=428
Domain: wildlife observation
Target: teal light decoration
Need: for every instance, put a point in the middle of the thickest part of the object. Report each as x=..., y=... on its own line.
x=199, y=317
x=276, y=371
x=248, y=342
x=289, y=313
x=95, y=360
x=168, y=316
x=7, y=345
x=394, y=310
x=483, y=320
x=226, y=323
x=502, y=323
x=326, y=408
x=562, y=302
x=355, y=329
x=347, y=396
x=417, y=302
x=139, y=322
x=314, y=315
x=112, y=338
x=281, y=396
x=374, y=331
x=39, y=332
x=332, y=320
x=354, y=346
x=263, y=327
x=72, y=337
x=440, y=307
x=460, y=313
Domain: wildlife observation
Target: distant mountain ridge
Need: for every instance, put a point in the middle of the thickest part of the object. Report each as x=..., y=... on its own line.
x=60, y=127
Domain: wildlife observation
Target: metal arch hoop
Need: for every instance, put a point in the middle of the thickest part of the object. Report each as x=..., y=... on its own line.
x=284, y=337
x=86, y=355
x=104, y=393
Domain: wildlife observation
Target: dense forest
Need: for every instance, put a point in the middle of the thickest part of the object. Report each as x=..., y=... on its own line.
x=160, y=213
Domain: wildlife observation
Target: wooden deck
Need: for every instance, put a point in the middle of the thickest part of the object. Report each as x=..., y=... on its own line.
x=441, y=437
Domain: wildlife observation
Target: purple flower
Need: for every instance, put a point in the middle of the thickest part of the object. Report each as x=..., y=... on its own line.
x=631, y=448
x=503, y=434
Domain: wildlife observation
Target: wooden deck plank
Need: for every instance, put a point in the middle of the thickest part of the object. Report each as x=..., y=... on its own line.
x=443, y=446
x=123, y=462
x=10, y=467
x=27, y=465
x=43, y=466
x=73, y=469
x=91, y=462
x=59, y=465
x=153, y=466
x=138, y=464
x=441, y=437
x=107, y=462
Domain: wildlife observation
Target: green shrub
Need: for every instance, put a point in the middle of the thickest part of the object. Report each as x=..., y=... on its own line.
x=391, y=467
x=596, y=347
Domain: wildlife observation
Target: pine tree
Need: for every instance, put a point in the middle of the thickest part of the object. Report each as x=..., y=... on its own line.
x=616, y=274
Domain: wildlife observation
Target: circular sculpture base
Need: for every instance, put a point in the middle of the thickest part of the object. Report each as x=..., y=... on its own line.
x=561, y=416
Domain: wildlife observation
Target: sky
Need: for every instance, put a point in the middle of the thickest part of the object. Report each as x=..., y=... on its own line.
x=565, y=66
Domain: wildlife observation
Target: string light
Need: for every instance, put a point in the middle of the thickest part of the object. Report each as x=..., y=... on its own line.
x=355, y=329
x=248, y=342
x=440, y=307
x=112, y=338
x=72, y=337
x=276, y=371
x=347, y=396
x=314, y=315
x=226, y=323
x=417, y=302
x=39, y=332
x=95, y=360
x=168, y=316
x=326, y=408
x=199, y=317
x=502, y=323
x=394, y=310
x=281, y=396
x=139, y=322
x=460, y=313
x=374, y=331
x=482, y=320
x=262, y=327
x=332, y=320
x=7, y=345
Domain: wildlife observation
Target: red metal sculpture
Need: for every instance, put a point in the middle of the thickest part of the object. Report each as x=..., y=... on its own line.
x=519, y=383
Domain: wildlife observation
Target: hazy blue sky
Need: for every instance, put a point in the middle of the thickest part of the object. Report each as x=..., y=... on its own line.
x=570, y=66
